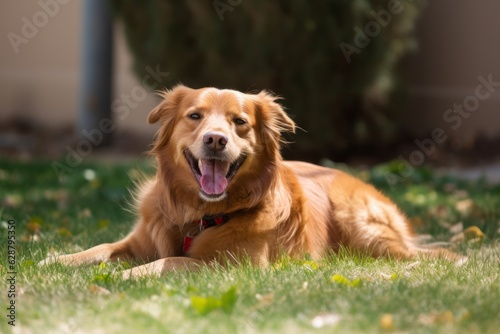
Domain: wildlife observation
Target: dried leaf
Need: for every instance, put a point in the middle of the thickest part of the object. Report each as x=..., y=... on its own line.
x=325, y=319
x=473, y=232
x=444, y=318
x=85, y=213
x=471, y=235
x=440, y=318
x=34, y=224
x=386, y=322
x=30, y=237
x=464, y=206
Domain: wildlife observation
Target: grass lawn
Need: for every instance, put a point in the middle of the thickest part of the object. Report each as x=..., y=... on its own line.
x=345, y=293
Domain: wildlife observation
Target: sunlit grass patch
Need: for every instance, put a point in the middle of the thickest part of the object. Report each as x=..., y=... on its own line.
x=342, y=293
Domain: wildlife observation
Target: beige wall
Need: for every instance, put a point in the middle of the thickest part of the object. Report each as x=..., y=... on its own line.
x=459, y=40
x=42, y=79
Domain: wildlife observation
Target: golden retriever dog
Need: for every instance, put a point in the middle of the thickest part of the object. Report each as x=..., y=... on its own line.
x=223, y=192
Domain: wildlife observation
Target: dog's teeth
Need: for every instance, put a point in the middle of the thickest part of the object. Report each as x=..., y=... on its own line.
x=200, y=164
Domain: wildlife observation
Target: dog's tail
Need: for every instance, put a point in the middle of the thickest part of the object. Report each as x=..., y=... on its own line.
x=422, y=248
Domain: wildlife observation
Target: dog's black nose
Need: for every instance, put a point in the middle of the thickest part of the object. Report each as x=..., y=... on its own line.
x=215, y=140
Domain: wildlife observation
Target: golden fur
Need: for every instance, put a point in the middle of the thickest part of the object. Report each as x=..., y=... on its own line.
x=276, y=207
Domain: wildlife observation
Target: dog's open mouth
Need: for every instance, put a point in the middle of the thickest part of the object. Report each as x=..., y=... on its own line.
x=213, y=175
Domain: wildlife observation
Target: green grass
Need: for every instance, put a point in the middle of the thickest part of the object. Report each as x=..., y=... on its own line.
x=359, y=294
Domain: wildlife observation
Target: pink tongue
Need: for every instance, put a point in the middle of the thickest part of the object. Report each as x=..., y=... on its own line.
x=213, y=176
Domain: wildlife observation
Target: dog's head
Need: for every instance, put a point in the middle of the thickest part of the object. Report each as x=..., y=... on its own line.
x=218, y=135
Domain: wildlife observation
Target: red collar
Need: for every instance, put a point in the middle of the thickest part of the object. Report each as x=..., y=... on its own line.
x=203, y=223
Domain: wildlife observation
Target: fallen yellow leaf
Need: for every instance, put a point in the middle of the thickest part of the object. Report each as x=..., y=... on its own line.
x=471, y=235
x=386, y=322
x=339, y=279
x=310, y=264
x=444, y=318
x=473, y=232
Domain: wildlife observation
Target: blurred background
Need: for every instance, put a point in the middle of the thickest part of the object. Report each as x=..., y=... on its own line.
x=368, y=81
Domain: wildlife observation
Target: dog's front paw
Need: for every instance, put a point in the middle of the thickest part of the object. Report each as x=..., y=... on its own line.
x=140, y=271
x=67, y=260
x=126, y=274
x=49, y=260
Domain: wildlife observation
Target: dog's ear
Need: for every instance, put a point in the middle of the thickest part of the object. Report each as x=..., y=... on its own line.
x=167, y=108
x=273, y=119
x=166, y=113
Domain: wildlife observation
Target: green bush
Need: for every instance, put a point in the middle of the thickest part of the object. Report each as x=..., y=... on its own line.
x=338, y=86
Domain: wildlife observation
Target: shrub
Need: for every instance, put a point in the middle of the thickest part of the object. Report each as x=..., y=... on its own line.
x=334, y=62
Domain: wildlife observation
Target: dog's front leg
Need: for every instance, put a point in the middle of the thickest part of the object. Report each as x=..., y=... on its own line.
x=163, y=266
x=94, y=255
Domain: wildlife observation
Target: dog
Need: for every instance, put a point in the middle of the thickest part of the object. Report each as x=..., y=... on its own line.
x=222, y=191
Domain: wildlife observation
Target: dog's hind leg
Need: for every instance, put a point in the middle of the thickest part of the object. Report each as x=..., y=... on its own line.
x=377, y=227
x=390, y=244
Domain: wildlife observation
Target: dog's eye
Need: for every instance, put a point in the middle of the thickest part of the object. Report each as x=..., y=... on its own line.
x=195, y=115
x=240, y=121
